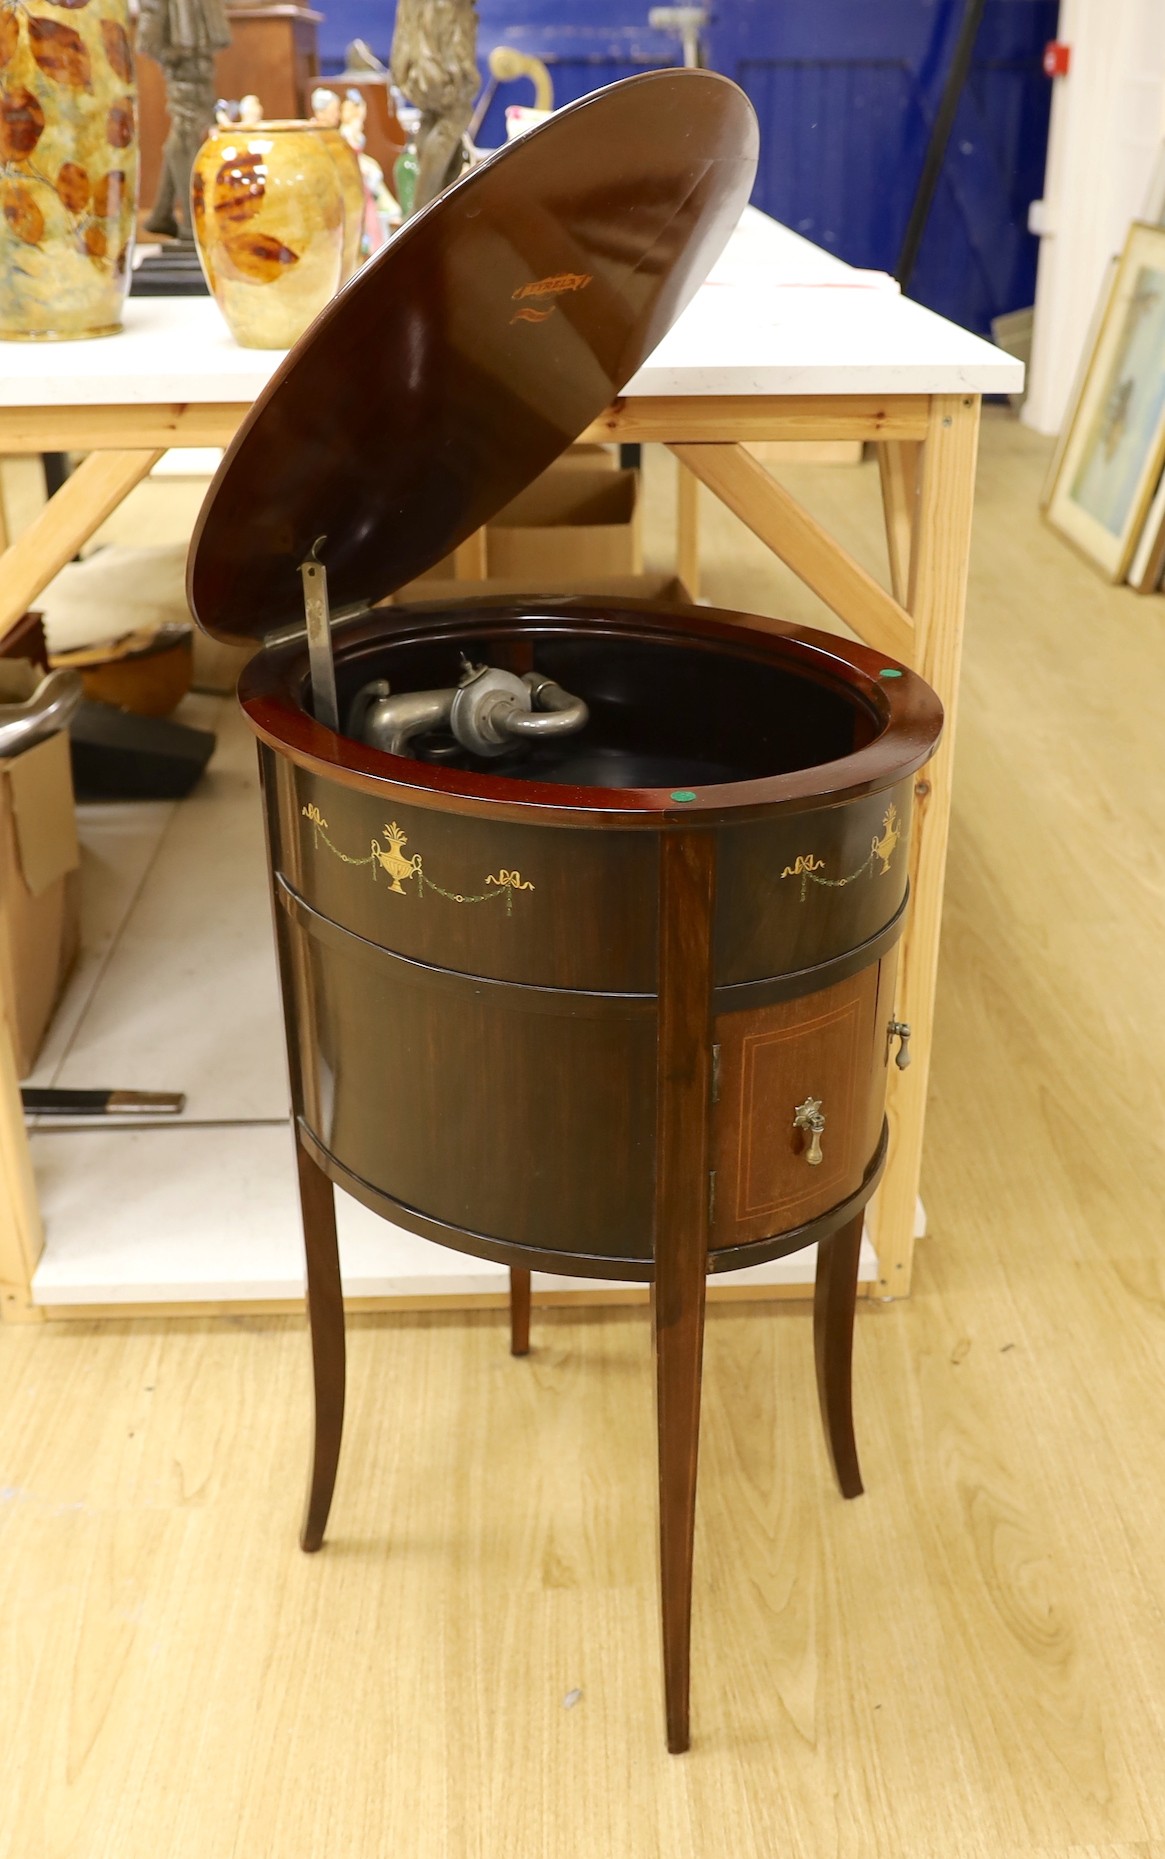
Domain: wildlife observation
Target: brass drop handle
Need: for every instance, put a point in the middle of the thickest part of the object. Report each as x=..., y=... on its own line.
x=808, y=1117
x=900, y=1030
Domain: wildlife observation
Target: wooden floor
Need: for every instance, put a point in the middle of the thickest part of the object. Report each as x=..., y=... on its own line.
x=970, y=1660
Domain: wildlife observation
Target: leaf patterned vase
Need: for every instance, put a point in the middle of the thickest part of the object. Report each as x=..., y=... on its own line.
x=268, y=216
x=352, y=188
x=68, y=167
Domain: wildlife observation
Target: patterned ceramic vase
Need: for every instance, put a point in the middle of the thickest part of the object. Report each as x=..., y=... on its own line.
x=68, y=167
x=352, y=188
x=268, y=216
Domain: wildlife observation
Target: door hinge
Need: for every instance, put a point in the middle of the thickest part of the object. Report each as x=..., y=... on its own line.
x=711, y=1195
x=715, y=1074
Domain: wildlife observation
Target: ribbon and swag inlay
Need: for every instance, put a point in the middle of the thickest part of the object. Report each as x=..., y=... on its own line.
x=808, y=868
x=399, y=868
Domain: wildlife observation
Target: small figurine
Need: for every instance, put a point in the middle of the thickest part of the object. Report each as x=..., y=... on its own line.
x=353, y=111
x=347, y=114
x=325, y=108
x=239, y=112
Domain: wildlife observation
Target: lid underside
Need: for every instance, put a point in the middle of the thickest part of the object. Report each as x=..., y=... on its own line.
x=463, y=359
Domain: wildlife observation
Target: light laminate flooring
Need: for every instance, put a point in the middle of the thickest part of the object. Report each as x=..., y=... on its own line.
x=966, y=1663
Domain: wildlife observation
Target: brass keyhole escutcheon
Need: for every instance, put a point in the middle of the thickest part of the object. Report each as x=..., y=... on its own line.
x=808, y=1116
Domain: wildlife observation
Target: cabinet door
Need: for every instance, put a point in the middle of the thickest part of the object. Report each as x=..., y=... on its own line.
x=828, y=1047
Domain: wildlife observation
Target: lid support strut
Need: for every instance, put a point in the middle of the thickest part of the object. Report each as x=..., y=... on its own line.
x=325, y=703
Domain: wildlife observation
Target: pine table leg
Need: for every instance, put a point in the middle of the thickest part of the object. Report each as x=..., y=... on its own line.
x=898, y=469
x=688, y=529
x=471, y=558
x=21, y=1234
x=937, y=601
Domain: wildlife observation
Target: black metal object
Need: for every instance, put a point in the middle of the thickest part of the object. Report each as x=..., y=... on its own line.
x=172, y=271
x=119, y=756
x=56, y=470
x=940, y=135
x=62, y=1101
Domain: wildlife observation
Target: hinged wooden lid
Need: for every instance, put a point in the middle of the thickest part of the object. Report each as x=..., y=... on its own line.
x=470, y=353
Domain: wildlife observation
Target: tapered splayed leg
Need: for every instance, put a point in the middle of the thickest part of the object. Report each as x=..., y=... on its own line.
x=681, y=1217
x=325, y=1309
x=519, y=1311
x=834, y=1300
x=679, y=1347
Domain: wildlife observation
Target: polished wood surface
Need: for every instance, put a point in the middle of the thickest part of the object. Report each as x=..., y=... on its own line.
x=561, y=1112
x=770, y=923
x=523, y=1120
x=834, y=1305
x=464, y=357
x=683, y=1186
x=817, y=1047
x=475, y=1013
x=325, y=1306
x=519, y=1311
x=544, y=937
x=891, y=723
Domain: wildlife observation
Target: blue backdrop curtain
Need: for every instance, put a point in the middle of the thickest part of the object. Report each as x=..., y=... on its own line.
x=846, y=91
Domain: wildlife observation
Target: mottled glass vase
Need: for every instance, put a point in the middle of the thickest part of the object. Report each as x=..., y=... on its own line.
x=68, y=167
x=268, y=215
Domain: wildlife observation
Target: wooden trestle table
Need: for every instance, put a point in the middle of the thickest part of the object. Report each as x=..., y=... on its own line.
x=783, y=342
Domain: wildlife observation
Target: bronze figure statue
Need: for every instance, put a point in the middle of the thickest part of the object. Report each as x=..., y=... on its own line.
x=183, y=37
x=434, y=62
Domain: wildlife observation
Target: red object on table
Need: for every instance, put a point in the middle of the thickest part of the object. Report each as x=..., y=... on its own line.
x=1057, y=58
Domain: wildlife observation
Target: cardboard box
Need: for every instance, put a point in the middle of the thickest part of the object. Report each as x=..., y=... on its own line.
x=39, y=880
x=577, y=520
x=602, y=457
x=664, y=588
x=578, y=523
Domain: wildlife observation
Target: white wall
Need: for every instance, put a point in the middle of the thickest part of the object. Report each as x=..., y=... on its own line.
x=1108, y=120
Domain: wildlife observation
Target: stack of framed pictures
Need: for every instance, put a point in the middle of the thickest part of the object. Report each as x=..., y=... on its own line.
x=1106, y=490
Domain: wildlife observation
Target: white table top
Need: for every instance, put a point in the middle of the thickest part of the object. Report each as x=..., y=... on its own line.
x=777, y=316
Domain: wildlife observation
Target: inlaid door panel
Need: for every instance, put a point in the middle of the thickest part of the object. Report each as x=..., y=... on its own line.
x=823, y=1050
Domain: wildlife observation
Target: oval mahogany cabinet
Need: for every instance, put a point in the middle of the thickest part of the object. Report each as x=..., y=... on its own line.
x=615, y=999
x=621, y=1005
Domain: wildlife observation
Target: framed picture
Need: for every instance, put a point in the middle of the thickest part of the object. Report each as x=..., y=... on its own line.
x=1099, y=310
x=1148, y=563
x=1115, y=449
